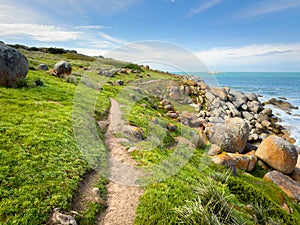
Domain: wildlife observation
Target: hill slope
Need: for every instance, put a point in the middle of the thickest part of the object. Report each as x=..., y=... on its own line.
x=49, y=144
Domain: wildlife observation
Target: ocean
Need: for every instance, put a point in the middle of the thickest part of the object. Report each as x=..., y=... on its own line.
x=268, y=85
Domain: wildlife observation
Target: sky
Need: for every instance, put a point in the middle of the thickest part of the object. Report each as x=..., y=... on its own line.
x=226, y=35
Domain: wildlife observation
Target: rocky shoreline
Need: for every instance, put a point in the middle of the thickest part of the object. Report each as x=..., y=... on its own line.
x=242, y=131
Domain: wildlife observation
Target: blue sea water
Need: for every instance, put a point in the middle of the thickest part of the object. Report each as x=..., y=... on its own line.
x=269, y=85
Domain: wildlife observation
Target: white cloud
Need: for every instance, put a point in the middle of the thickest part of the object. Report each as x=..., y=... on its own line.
x=111, y=39
x=203, y=7
x=37, y=32
x=90, y=27
x=13, y=12
x=267, y=7
x=254, y=57
x=91, y=52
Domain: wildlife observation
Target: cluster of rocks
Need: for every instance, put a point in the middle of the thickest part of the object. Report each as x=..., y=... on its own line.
x=113, y=72
x=169, y=108
x=216, y=105
x=242, y=132
x=283, y=158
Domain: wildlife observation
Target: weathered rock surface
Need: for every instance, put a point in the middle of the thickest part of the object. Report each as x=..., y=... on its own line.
x=278, y=154
x=62, y=68
x=290, y=187
x=231, y=136
x=13, y=66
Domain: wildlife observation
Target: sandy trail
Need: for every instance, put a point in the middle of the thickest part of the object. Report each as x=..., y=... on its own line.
x=123, y=193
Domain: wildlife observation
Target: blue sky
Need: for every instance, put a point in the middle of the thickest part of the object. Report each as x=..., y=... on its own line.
x=227, y=35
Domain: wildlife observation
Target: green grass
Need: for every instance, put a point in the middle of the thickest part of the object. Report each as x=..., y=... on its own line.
x=49, y=137
x=49, y=140
x=41, y=163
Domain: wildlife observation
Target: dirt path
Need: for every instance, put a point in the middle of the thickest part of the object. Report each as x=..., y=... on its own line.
x=85, y=193
x=123, y=193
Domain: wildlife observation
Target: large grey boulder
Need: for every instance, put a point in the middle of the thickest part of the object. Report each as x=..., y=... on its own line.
x=231, y=136
x=62, y=68
x=13, y=66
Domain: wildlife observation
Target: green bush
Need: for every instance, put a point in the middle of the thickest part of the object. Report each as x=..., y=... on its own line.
x=134, y=67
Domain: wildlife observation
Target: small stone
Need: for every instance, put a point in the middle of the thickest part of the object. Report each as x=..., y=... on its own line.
x=244, y=107
x=172, y=127
x=96, y=191
x=62, y=219
x=43, y=67
x=133, y=133
x=214, y=150
x=165, y=102
x=132, y=149
x=103, y=125
x=120, y=82
x=246, y=115
x=267, y=112
x=194, y=123
x=169, y=108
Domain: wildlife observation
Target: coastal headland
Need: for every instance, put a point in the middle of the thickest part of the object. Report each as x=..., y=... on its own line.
x=93, y=140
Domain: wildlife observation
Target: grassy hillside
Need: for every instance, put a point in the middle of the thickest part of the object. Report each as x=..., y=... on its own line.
x=43, y=159
x=41, y=164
